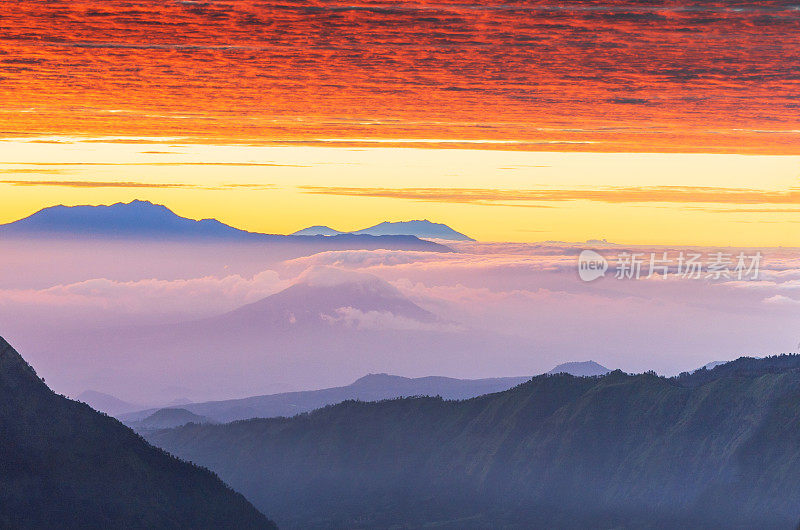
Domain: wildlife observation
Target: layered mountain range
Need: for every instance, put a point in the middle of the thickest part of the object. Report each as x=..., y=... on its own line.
x=714, y=448
x=372, y=387
x=421, y=228
x=147, y=221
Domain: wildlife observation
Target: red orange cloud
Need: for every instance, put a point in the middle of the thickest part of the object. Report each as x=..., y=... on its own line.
x=587, y=75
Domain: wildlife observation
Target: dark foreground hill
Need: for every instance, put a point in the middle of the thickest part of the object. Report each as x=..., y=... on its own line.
x=63, y=465
x=716, y=449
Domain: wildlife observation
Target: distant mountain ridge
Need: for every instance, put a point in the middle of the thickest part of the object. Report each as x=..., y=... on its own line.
x=372, y=387
x=580, y=369
x=419, y=228
x=63, y=465
x=318, y=230
x=708, y=449
x=312, y=303
x=134, y=219
x=167, y=418
x=144, y=220
x=107, y=403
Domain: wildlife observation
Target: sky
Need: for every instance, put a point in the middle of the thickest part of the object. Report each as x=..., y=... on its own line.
x=658, y=122
x=531, y=126
x=632, y=76
x=490, y=195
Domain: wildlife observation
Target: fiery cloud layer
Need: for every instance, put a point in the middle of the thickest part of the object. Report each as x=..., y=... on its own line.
x=717, y=76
